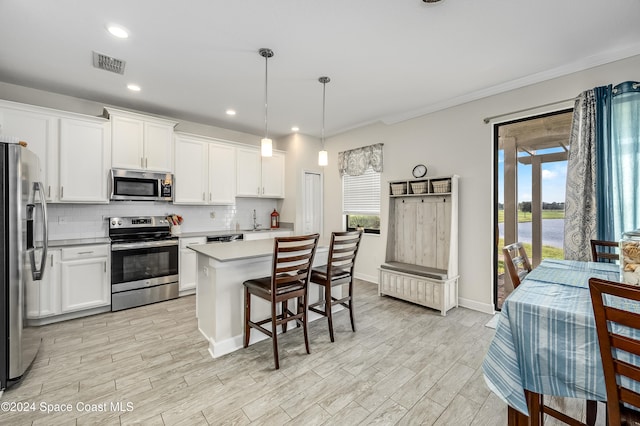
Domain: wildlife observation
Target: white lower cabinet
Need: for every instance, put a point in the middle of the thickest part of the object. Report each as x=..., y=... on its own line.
x=187, y=263
x=85, y=278
x=43, y=297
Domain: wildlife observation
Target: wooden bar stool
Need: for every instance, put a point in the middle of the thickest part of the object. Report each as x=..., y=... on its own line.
x=337, y=271
x=292, y=260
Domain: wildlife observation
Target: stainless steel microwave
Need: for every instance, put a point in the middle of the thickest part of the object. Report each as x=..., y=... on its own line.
x=133, y=185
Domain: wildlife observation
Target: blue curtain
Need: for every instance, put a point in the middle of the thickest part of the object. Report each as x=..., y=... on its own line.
x=617, y=159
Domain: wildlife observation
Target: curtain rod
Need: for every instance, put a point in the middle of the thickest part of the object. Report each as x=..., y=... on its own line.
x=488, y=119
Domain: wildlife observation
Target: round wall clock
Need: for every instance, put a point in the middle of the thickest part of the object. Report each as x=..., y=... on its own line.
x=419, y=171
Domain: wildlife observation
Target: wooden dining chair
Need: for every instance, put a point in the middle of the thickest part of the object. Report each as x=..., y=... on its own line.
x=337, y=272
x=517, y=262
x=604, y=251
x=291, y=268
x=618, y=327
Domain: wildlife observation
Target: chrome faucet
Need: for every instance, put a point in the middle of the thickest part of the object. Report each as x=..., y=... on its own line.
x=255, y=225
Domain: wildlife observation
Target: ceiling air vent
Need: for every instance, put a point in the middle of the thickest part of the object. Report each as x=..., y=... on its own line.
x=108, y=63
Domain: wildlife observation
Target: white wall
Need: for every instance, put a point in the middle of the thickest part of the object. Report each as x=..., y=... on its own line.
x=457, y=141
x=302, y=155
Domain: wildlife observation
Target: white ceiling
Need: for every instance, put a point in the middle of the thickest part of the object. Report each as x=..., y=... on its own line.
x=388, y=60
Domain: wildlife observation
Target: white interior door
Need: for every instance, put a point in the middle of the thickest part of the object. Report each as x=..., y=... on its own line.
x=312, y=203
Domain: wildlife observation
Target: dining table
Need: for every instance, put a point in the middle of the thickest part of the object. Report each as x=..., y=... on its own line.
x=545, y=341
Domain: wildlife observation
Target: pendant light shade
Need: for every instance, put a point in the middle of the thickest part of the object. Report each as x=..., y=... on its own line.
x=266, y=145
x=323, y=157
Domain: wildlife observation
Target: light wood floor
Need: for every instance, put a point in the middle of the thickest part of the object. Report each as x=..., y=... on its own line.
x=405, y=365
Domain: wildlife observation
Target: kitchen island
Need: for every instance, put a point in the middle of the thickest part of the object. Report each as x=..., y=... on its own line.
x=222, y=268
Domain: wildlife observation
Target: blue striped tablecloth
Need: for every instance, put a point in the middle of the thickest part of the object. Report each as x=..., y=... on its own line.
x=546, y=339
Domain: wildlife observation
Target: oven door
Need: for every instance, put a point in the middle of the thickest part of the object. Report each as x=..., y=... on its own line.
x=143, y=264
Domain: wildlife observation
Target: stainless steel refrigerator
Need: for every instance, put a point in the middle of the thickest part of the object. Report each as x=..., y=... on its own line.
x=23, y=221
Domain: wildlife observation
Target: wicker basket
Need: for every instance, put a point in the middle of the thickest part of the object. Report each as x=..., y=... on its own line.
x=441, y=186
x=398, y=188
x=419, y=187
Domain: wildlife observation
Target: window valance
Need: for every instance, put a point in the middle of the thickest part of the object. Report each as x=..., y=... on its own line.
x=354, y=162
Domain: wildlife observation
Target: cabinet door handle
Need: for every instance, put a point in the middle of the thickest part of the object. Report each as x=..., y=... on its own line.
x=61, y=191
x=105, y=267
x=263, y=190
x=85, y=252
x=146, y=162
x=142, y=162
x=49, y=191
x=258, y=190
x=210, y=197
x=203, y=197
x=51, y=261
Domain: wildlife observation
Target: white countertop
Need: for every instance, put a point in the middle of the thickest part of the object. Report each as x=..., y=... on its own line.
x=238, y=250
x=235, y=250
x=78, y=242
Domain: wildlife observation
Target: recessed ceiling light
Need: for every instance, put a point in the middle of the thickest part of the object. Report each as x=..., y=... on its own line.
x=133, y=87
x=295, y=128
x=117, y=31
x=231, y=112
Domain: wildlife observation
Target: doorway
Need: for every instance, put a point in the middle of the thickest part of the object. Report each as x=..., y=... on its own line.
x=530, y=178
x=312, y=203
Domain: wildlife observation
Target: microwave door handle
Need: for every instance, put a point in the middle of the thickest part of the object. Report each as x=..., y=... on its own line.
x=37, y=274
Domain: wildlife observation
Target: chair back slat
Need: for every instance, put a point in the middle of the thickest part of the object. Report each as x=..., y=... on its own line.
x=629, y=397
x=604, y=251
x=517, y=262
x=343, y=250
x=618, y=326
x=292, y=260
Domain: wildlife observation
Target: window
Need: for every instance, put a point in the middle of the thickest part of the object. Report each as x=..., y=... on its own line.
x=361, y=201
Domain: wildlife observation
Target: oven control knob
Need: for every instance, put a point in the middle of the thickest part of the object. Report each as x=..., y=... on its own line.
x=119, y=222
x=113, y=222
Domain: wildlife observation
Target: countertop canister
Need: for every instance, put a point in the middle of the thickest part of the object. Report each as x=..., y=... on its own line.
x=630, y=257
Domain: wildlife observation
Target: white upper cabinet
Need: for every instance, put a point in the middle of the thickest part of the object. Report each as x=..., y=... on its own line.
x=249, y=182
x=205, y=171
x=222, y=174
x=190, y=177
x=84, y=160
x=39, y=128
x=273, y=176
x=140, y=142
x=259, y=176
x=73, y=149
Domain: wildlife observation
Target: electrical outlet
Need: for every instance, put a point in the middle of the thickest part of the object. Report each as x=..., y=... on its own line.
x=212, y=215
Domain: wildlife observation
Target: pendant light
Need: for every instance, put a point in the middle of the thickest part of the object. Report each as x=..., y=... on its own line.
x=266, y=145
x=323, y=158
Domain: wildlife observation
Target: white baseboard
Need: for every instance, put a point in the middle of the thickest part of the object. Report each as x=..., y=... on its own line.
x=487, y=308
x=372, y=279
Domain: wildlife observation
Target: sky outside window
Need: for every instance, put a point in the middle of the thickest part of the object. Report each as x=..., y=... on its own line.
x=554, y=176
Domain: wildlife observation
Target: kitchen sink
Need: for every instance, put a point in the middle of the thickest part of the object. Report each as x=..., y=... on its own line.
x=255, y=230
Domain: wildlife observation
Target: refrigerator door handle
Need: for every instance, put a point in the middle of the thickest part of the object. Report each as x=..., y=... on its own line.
x=39, y=273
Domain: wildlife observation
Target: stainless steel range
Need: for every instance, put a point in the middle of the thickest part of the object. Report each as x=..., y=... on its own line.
x=144, y=261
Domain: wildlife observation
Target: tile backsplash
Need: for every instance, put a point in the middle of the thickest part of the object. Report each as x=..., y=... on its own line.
x=71, y=221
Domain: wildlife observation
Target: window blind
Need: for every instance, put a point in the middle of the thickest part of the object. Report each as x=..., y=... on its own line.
x=361, y=194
